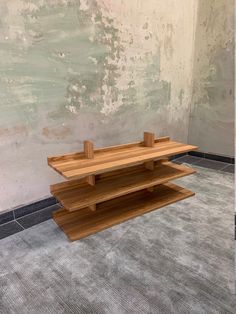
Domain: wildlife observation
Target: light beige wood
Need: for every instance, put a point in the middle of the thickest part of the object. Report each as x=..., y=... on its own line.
x=116, y=184
x=82, y=223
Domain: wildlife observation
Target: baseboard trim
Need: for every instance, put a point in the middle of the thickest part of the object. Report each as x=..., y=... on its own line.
x=33, y=207
x=25, y=210
x=226, y=159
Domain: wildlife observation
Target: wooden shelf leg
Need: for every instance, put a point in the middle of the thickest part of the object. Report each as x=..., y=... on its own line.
x=160, y=161
x=93, y=207
x=91, y=180
x=88, y=149
x=149, y=165
x=89, y=153
x=149, y=140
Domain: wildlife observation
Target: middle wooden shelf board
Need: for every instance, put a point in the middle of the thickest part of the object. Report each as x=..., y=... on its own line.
x=77, y=194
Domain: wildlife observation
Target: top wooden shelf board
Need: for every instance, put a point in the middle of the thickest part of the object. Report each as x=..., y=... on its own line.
x=77, y=165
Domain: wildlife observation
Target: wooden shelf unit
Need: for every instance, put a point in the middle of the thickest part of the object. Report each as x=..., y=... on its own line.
x=110, y=185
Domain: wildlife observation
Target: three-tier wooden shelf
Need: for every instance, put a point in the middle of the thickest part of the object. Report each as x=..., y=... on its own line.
x=110, y=185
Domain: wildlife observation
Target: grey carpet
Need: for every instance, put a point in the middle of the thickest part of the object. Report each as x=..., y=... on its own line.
x=179, y=259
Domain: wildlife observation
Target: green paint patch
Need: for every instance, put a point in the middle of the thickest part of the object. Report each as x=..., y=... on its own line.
x=157, y=93
x=70, y=61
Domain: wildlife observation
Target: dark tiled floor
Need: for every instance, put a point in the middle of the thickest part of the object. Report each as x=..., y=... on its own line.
x=37, y=217
x=197, y=154
x=211, y=164
x=229, y=168
x=206, y=163
x=6, y=217
x=9, y=228
x=218, y=158
x=29, y=209
x=221, y=158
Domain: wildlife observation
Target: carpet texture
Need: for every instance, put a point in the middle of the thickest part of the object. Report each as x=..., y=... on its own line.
x=178, y=259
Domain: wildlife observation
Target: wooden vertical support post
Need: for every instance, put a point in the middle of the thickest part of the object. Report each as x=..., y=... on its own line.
x=149, y=140
x=89, y=153
x=88, y=149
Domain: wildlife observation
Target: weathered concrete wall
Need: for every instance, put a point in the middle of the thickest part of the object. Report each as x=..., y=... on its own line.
x=212, y=116
x=104, y=70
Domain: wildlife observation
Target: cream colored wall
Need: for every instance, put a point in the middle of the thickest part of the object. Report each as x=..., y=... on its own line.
x=102, y=70
x=212, y=114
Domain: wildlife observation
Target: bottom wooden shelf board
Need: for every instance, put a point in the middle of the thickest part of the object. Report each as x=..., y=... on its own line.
x=84, y=222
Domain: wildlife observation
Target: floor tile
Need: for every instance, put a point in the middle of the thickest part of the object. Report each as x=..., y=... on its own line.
x=6, y=217
x=31, y=208
x=9, y=229
x=211, y=164
x=37, y=217
x=188, y=159
x=229, y=168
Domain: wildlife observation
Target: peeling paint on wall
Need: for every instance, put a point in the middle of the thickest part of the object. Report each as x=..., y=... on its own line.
x=104, y=70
